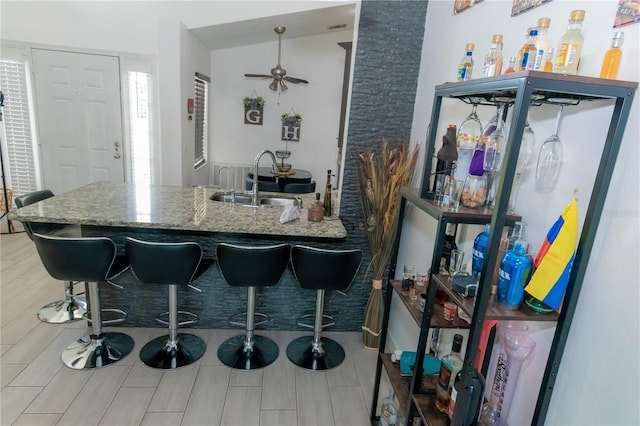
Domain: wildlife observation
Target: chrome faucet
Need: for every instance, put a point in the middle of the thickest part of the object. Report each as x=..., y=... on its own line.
x=254, y=190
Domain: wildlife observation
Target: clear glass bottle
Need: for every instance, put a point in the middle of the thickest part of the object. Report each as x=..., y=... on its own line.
x=491, y=62
x=465, y=70
x=570, y=45
x=542, y=44
x=528, y=58
x=389, y=410
x=612, y=58
x=523, y=48
x=449, y=368
x=512, y=66
x=497, y=39
x=316, y=210
x=548, y=66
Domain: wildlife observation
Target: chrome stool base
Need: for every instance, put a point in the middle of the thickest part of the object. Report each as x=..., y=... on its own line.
x=160, y=353
x=301, y=353
x=232, y=352
x=88, y=353
x=63, y=311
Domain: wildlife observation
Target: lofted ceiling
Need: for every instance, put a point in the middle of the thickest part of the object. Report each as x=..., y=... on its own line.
x=298, y=24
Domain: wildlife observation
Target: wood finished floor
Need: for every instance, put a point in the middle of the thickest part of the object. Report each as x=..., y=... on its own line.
x=36, y=389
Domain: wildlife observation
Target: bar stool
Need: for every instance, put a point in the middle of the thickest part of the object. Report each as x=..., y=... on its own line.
x=321, y=270
x=171, y=265
x=94, y=261
x=72, y=307
x=250, y=267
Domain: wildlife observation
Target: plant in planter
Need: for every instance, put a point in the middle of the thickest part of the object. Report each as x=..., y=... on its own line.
x=257, y=102
x=293, y=119
x=383, y=172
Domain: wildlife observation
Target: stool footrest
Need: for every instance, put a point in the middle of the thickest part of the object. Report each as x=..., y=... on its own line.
x=194, y=318
x=122, y=315
x=265, y=319
x=328, y=323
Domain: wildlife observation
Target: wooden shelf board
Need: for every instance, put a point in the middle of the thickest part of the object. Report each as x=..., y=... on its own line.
x=461, y=215
x=399, y=383
x=495, y=310
x=426, y=408
x=437, y=319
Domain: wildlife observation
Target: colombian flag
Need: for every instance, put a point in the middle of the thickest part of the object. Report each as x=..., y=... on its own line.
x=555, y=258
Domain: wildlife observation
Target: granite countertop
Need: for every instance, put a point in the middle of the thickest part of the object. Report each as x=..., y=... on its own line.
x=173, y=208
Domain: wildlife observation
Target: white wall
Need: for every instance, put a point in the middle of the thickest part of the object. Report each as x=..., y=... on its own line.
x=159, y=30
x=317, y=59
x=604, y=340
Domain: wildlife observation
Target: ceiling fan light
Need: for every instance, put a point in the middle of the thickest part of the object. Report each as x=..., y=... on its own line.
x=283, y=86
x=274, y=85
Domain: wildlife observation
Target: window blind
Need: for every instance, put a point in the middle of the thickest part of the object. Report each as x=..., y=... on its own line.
x=20, y=169
x=200, y=112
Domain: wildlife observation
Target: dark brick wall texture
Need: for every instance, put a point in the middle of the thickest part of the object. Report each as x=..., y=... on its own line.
x=383, y=94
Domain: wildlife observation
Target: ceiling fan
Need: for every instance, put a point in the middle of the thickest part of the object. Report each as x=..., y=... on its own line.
x=279, y=74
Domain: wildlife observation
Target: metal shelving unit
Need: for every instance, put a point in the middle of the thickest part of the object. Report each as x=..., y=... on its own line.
x=523, y=89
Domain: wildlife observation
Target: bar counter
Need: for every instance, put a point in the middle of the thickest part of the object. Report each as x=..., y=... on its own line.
x=168, y=213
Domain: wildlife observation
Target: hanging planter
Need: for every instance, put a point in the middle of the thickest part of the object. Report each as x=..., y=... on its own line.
x=291, y=126
x=253, y=109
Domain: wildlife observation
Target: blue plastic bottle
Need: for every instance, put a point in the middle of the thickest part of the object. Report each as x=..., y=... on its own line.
x=515, y=268
x=479, y=249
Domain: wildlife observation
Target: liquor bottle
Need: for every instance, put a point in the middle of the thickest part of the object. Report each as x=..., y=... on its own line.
x=528, y=58
x=548, y=66
x=491, y=61
x=612, y=58
x=447, y=156
x=389, y=410
x=515, y=268
x=327, y=196
x=542, y=44
x=523, y=48
x=497, y=39
x=465, y=69
x=451, y=364
x=512, y=66
x=454, y=395
x=479, y=247
x=570, y=45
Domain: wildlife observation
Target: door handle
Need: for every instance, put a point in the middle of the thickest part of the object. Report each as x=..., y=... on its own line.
x=117, y=156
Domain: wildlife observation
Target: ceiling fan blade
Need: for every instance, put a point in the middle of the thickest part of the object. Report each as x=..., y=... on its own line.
x=295, y=80
x=258, y=75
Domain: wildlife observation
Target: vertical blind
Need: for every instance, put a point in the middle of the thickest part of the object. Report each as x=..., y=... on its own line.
x=200, y=112
x=17, y=125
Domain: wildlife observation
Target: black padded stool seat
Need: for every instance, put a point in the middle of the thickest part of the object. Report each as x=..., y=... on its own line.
x=72, y=307
x=321, y=270
x=94, y=261
x=171, y=265
x=250, y=267
x=300, y=188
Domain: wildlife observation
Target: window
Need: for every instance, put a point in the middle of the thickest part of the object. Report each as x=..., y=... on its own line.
x=200, y=111
x=142, y=158
x=20, y=164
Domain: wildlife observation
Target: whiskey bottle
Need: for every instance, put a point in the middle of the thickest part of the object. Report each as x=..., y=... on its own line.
x=611, y=61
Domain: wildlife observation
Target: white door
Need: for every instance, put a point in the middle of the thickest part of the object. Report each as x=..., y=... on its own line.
x=79, y=118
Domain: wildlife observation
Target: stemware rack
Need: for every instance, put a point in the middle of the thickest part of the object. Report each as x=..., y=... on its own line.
x=524, y=89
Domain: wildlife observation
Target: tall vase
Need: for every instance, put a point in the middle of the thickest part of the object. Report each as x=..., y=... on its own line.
x=372, y=324
x=489, y=412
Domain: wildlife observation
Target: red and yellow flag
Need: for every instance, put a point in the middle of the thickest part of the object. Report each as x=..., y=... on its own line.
x=555, y=259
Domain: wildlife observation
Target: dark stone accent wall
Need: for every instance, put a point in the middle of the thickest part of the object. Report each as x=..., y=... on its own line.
x=387, y=62
x=384, y=85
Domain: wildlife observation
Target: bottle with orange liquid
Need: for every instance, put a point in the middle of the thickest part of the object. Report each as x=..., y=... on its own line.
x=612, y=58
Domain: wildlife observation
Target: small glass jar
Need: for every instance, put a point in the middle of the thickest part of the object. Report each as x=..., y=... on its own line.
x=474, y=191
x=316, y=210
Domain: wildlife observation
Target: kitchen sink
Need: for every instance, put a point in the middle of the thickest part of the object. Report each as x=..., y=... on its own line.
x=263, y=200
